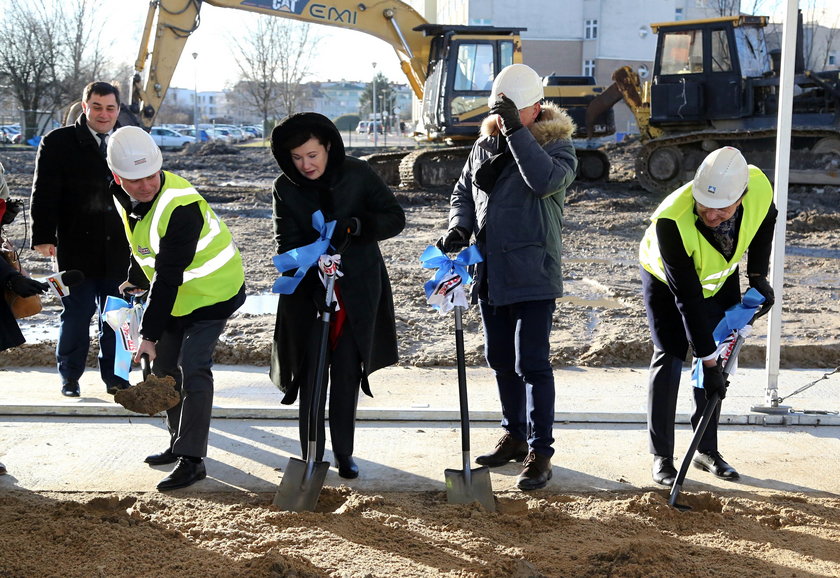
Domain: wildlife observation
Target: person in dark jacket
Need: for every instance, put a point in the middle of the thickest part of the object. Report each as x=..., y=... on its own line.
x=187, y=258
x=510, y=195
x=74, y=220
x=689, y=265
x=317, y=176
x=11, y=279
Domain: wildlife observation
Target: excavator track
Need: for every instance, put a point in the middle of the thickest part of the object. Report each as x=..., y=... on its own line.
x=432, y=167
x=666, y=163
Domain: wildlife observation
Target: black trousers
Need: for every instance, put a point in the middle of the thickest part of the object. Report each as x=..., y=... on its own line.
x=345, y=378
x=663, y=386
x=185, y=352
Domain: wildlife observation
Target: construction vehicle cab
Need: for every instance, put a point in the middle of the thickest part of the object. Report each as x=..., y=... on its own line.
x=714, y=85
x=708, y=70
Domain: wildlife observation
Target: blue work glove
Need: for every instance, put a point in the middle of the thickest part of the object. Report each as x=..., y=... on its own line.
x=454, y=240
x=507, y=111
x=713, y=381
x=761, y=285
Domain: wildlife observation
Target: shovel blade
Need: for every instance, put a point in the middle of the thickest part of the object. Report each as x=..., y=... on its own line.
x=466, y=489
x=301, y=485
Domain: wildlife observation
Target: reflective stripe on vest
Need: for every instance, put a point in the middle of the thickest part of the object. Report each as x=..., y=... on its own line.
x=215, y=273
x=711, y=267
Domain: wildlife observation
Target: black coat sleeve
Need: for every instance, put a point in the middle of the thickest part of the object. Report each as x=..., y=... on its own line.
x=758, y=253
x=177, y=250
x=685, y=285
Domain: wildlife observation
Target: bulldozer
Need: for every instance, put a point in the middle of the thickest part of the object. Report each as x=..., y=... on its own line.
x=714, y=84
x=450, y=69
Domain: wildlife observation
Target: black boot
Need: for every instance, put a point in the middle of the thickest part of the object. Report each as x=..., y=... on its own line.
x=161, y=459
x=347, y=467
x=713, y=462
x=663, y=470
x=508, y=448
x=537, y=472
x=186, y=473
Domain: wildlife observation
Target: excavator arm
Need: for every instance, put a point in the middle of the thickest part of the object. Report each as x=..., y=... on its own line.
x=170, y=22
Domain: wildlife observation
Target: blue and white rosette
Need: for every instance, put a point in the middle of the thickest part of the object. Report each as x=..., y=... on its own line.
x=735, y=322
x=125, y=319
x=445, y=290
x=302, y=258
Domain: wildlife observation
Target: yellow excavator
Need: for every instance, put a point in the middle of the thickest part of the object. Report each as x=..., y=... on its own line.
x=450, y=68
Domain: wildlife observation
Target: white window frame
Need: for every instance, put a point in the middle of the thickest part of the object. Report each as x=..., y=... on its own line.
x=589, y=68
x=590, y=29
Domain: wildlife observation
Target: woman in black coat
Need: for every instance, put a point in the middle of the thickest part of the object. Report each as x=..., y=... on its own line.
x=318, y=176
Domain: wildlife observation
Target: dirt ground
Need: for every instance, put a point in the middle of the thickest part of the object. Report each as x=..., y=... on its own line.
x=599, y=322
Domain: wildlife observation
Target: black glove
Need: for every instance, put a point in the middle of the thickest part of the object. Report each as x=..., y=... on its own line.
x=13, y=207
x=713, y=381
x=345, y=228
x=761, y=285
x=24, y=286
x=454, y=240
x=507, y=111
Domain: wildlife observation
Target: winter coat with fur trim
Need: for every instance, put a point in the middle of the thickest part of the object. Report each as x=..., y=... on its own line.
x=518, y=222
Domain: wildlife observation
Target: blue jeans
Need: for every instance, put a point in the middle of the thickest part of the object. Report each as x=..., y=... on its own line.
x=516, y=345
x=85, y=300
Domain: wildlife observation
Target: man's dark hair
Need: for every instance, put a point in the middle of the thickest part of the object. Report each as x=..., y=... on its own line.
x=102, y=89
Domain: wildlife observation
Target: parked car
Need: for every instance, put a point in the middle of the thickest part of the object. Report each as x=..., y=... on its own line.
x=10, y=135
x=202, y=134
x=166, y=138
x=221, y=134
x=362, y=127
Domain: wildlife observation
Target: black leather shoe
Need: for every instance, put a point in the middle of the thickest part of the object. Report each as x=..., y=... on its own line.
x=713, y=462
x=161, y=459
x=536, y=474
x=663, y=470
x=115, y=387
x=508, y=448
x=71, y=389
x=347, y=467
x=186, y=473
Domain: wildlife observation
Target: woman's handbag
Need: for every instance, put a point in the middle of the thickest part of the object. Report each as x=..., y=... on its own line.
x=21, y=306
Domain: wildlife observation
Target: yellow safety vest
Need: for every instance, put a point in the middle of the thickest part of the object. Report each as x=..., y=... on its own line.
x=215, y=273
x=712, y=268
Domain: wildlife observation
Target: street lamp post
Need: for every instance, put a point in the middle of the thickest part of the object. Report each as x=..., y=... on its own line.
x=386, y=117
x=373, y=97
x=195, y=96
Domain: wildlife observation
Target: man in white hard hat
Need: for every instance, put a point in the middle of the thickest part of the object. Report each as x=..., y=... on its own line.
x=186, y=256
x=510, y=195
x=689, y=266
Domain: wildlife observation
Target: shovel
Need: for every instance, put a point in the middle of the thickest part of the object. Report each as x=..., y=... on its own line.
x=708, y=415
x=152, y=395
x=468, y=485
x=301, y=484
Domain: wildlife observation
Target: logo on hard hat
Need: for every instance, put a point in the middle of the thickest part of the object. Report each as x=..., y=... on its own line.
x=140, y=161
x=712, y=189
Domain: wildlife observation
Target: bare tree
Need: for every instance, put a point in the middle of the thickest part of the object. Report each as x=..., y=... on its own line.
x=274, y=60
x=46, y=56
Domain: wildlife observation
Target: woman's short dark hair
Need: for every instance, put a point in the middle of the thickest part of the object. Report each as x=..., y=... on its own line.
x=296, y=139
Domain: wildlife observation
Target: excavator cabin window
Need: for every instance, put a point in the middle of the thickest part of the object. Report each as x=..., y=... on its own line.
x=682, y=52
x=475, y=69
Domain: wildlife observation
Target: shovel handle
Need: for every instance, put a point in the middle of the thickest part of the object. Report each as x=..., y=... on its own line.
x=145, y=365
x=462, y=383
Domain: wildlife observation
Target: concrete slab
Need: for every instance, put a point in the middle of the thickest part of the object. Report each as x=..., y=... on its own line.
x=409, y=433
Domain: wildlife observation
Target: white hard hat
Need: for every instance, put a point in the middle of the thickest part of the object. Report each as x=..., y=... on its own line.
x=721, y=178
x=132, y=154
x=519, y=83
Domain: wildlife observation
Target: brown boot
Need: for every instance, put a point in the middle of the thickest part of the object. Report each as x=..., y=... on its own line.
x=536, y=474
x=508, y=448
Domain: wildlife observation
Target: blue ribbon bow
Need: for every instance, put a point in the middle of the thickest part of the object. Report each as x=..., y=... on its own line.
x=433, y=258
x=302, y=258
